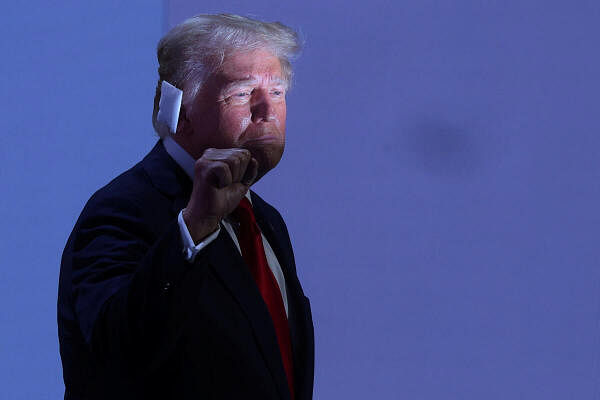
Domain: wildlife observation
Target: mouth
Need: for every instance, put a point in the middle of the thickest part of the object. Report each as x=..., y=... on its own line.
x=263, y=139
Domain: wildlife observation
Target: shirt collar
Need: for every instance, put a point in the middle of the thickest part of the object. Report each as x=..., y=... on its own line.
x=184, y=159
x=179, y=155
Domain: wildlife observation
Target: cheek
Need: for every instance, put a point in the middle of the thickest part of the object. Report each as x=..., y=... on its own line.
x=244, y=122
x=234, y=122
x=281, y=114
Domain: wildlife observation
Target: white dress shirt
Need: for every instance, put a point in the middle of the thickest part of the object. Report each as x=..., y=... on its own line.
x=191, y=249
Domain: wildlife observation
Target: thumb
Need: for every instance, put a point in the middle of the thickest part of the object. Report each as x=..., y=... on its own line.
x=237, y=192
x=251, y=172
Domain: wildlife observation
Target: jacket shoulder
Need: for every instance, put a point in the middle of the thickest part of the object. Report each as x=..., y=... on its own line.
x=151, y=185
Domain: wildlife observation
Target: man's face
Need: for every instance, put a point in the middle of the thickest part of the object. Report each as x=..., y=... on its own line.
x=243, y=106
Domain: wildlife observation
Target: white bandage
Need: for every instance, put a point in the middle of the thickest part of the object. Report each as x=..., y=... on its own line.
x=168, y=108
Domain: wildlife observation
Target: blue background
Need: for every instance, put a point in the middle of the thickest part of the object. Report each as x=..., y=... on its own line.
x=440, y=184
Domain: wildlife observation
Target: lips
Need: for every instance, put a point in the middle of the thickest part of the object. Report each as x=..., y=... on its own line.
x=261, y=135
x=263, y=139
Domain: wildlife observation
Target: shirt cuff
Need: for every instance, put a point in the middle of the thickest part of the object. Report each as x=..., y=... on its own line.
x=190, y=250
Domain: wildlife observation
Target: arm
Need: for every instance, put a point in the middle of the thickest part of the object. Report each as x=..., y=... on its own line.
x=132, y=283
x=132, y=286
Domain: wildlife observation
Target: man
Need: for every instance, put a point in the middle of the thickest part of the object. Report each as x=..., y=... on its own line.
x=177, y=282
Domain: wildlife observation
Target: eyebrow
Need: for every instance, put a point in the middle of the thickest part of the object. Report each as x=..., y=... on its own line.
x=248, y=80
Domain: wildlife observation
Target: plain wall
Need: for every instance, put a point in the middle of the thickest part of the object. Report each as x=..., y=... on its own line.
x=440, y=184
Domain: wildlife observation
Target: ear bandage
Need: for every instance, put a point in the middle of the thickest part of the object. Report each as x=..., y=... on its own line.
x=168, y=107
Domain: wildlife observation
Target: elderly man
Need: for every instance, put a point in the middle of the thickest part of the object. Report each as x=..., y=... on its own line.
x=177, y=281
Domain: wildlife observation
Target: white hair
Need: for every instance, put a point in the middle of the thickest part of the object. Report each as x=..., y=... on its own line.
x=193, y=50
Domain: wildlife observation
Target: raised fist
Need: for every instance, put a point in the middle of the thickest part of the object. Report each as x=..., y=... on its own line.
x=221, y=178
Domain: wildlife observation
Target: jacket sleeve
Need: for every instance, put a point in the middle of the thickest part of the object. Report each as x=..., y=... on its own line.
x=132, y=287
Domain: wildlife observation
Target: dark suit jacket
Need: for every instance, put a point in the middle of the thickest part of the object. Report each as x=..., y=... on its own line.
x=137, y=321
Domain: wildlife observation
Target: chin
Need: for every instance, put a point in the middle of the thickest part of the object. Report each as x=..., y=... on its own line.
x=268, y=154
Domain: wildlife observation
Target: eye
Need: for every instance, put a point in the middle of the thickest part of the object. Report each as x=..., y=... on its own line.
x=238, y=97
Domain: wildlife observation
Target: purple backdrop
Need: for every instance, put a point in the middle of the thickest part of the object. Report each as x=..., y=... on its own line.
x=440, y=184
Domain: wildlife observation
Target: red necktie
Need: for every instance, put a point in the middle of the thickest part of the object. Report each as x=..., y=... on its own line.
x=253, y=253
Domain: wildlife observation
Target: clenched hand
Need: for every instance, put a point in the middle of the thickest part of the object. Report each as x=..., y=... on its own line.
x=221, y=178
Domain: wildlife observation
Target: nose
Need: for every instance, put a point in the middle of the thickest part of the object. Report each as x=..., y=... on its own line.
x=261, y=107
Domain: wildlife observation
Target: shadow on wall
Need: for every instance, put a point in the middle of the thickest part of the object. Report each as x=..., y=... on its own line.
x=444, y=148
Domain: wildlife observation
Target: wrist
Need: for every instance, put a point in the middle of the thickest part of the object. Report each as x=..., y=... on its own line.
x=199, y=228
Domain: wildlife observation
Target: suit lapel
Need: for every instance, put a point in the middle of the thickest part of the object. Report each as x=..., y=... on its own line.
x=229, y=266
x=167, y=176
x=296, y=307
x=276, y=238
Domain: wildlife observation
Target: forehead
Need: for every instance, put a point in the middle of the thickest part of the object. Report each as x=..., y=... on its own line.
x=250, y=65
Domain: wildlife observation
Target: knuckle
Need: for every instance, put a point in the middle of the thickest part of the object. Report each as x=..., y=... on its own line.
x=233, y=162
x=220, y=166
x=201, y=165
x=244, y=153
x=208, y=152
x=211, y=168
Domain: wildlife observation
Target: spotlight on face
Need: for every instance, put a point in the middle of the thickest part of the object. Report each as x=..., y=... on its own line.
x=242, y=105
